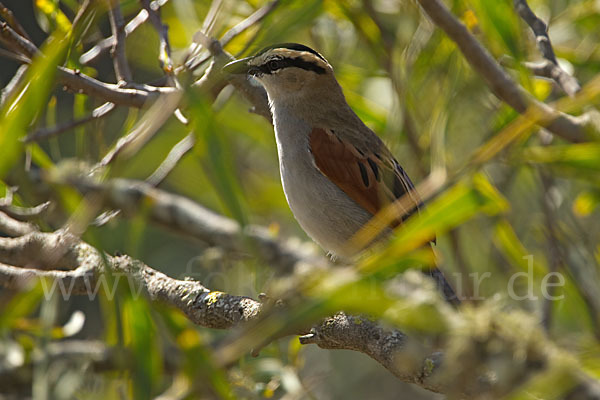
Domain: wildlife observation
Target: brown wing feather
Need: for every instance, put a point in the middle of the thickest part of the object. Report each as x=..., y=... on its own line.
x=368, y=178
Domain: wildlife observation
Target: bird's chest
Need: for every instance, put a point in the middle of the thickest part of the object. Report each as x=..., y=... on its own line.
x=302, y=182
x=323, y=210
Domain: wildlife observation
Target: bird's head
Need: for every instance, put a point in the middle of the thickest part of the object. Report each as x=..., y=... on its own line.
x=287, y=69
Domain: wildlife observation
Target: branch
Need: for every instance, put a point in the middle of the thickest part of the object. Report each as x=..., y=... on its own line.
x=568, y=127
x=406, y=357
x=389, y=347
x=164, y=52
x=202, y=306
x=250, y=21
x=132, y=97
x=12, y=21
x=160, y=111
x=551, y=69
x=18, y=43
x=21, y=213
x=13, y=85
x=170, y=162
x=255, y=94
x=13, y=227
x=81, y=83
x=45, y=133
x=193, y=220
x=105, y=45
x=117, y=26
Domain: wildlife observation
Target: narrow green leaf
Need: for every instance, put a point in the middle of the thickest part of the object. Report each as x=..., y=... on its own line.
x=140, y=335
x=28, y=101
x=578, y=156
x=455, y=206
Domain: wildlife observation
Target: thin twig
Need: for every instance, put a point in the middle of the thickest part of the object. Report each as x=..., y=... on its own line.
x=248, y=22
x=45, y=133
x=18, y=43
x=13, y=85
x=193, y=61
x=176, y=153
x=117, y=25
x=137, y=97
x=568, y=127
x=164, y=52
x=93, y=54
x=552, y=69
x=9, y=17
x=146, y=128
x=13, y=227
x=25, y=213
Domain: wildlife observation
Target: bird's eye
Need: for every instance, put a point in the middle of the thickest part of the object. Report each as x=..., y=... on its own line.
x=274, y=65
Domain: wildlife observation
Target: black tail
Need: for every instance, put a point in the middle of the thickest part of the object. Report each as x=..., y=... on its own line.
x=443, y=285
x=440, y=280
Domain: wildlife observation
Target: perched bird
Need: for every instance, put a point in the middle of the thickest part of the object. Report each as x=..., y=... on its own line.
x=336, y=172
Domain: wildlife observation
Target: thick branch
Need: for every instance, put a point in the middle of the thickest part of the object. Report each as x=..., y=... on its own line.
x=389, y=347
x=193, y=220
x=211, y=309
x=563, y=125
x=404, y=356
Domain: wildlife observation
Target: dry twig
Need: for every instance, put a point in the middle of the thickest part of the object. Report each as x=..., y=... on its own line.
x=550, y=68
x=170, y=162
x=117, y=25
x=164, y=51
x=105, y=45
x=48, y=132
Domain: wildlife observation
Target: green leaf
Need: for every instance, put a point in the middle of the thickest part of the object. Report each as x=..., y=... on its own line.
x=221, y=163
x=456, y=205
x=21, y=109
x=501, y=26
x=21, y=305
x=576, y=156
x=140, y=335
x=199, y=363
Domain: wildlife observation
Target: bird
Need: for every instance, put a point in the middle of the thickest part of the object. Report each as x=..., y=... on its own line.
x=335, y=171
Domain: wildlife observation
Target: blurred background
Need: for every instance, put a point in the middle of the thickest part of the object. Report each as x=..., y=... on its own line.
x=409, y=83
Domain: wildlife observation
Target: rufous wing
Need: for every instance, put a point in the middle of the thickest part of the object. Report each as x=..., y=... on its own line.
x=372, y=179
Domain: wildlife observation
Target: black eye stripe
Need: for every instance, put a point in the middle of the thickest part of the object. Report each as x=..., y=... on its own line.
x=281, y=63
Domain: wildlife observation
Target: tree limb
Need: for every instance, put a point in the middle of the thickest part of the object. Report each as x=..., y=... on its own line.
x=566, y=126
x=403, y=355
x=193, y=220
